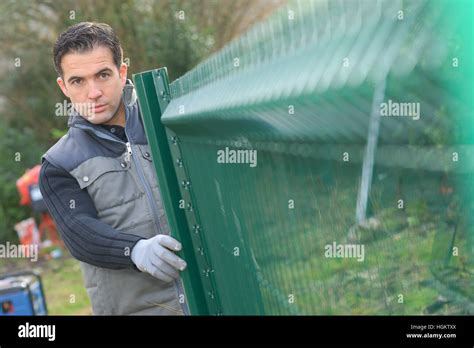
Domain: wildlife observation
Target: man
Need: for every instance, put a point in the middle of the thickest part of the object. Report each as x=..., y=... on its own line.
x=99, y=184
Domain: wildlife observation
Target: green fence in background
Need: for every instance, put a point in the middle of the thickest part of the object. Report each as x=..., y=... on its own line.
x=322, y=163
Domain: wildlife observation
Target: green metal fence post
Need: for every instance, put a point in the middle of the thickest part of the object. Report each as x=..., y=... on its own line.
x=152, y=105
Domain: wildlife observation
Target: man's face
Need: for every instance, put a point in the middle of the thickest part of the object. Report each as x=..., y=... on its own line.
x=93, y=83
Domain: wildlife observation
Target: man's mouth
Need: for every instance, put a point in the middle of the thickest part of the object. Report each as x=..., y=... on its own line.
x=99, y=108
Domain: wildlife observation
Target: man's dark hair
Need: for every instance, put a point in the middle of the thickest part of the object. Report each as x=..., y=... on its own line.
x=83, y=37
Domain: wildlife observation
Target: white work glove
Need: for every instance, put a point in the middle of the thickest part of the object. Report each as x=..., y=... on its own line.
x=156, y=256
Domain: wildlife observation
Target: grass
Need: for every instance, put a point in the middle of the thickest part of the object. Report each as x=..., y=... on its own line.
x=64, y=288
x=397, y=274
x=396, y=265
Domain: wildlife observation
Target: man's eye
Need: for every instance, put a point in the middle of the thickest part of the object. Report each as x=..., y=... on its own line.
x=104, y=75
x=75, y=82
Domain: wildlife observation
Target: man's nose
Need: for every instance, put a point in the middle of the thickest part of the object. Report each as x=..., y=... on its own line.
x=94, y=91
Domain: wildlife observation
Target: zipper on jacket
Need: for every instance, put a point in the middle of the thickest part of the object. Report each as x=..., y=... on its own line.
x=152, y=202
x=129, y=156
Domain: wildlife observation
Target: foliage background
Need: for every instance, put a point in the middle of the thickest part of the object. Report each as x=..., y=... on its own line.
x=173, y=33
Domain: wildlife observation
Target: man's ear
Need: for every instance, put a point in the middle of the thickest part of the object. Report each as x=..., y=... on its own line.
x=123, y=73
x=61, y=84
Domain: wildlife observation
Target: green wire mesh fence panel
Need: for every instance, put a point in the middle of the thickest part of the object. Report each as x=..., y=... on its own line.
x=322, y=163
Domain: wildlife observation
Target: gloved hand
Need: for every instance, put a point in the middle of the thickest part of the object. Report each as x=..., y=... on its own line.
x=154, y=256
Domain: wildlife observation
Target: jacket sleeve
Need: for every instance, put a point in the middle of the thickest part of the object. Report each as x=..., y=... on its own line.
x=88, y=239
